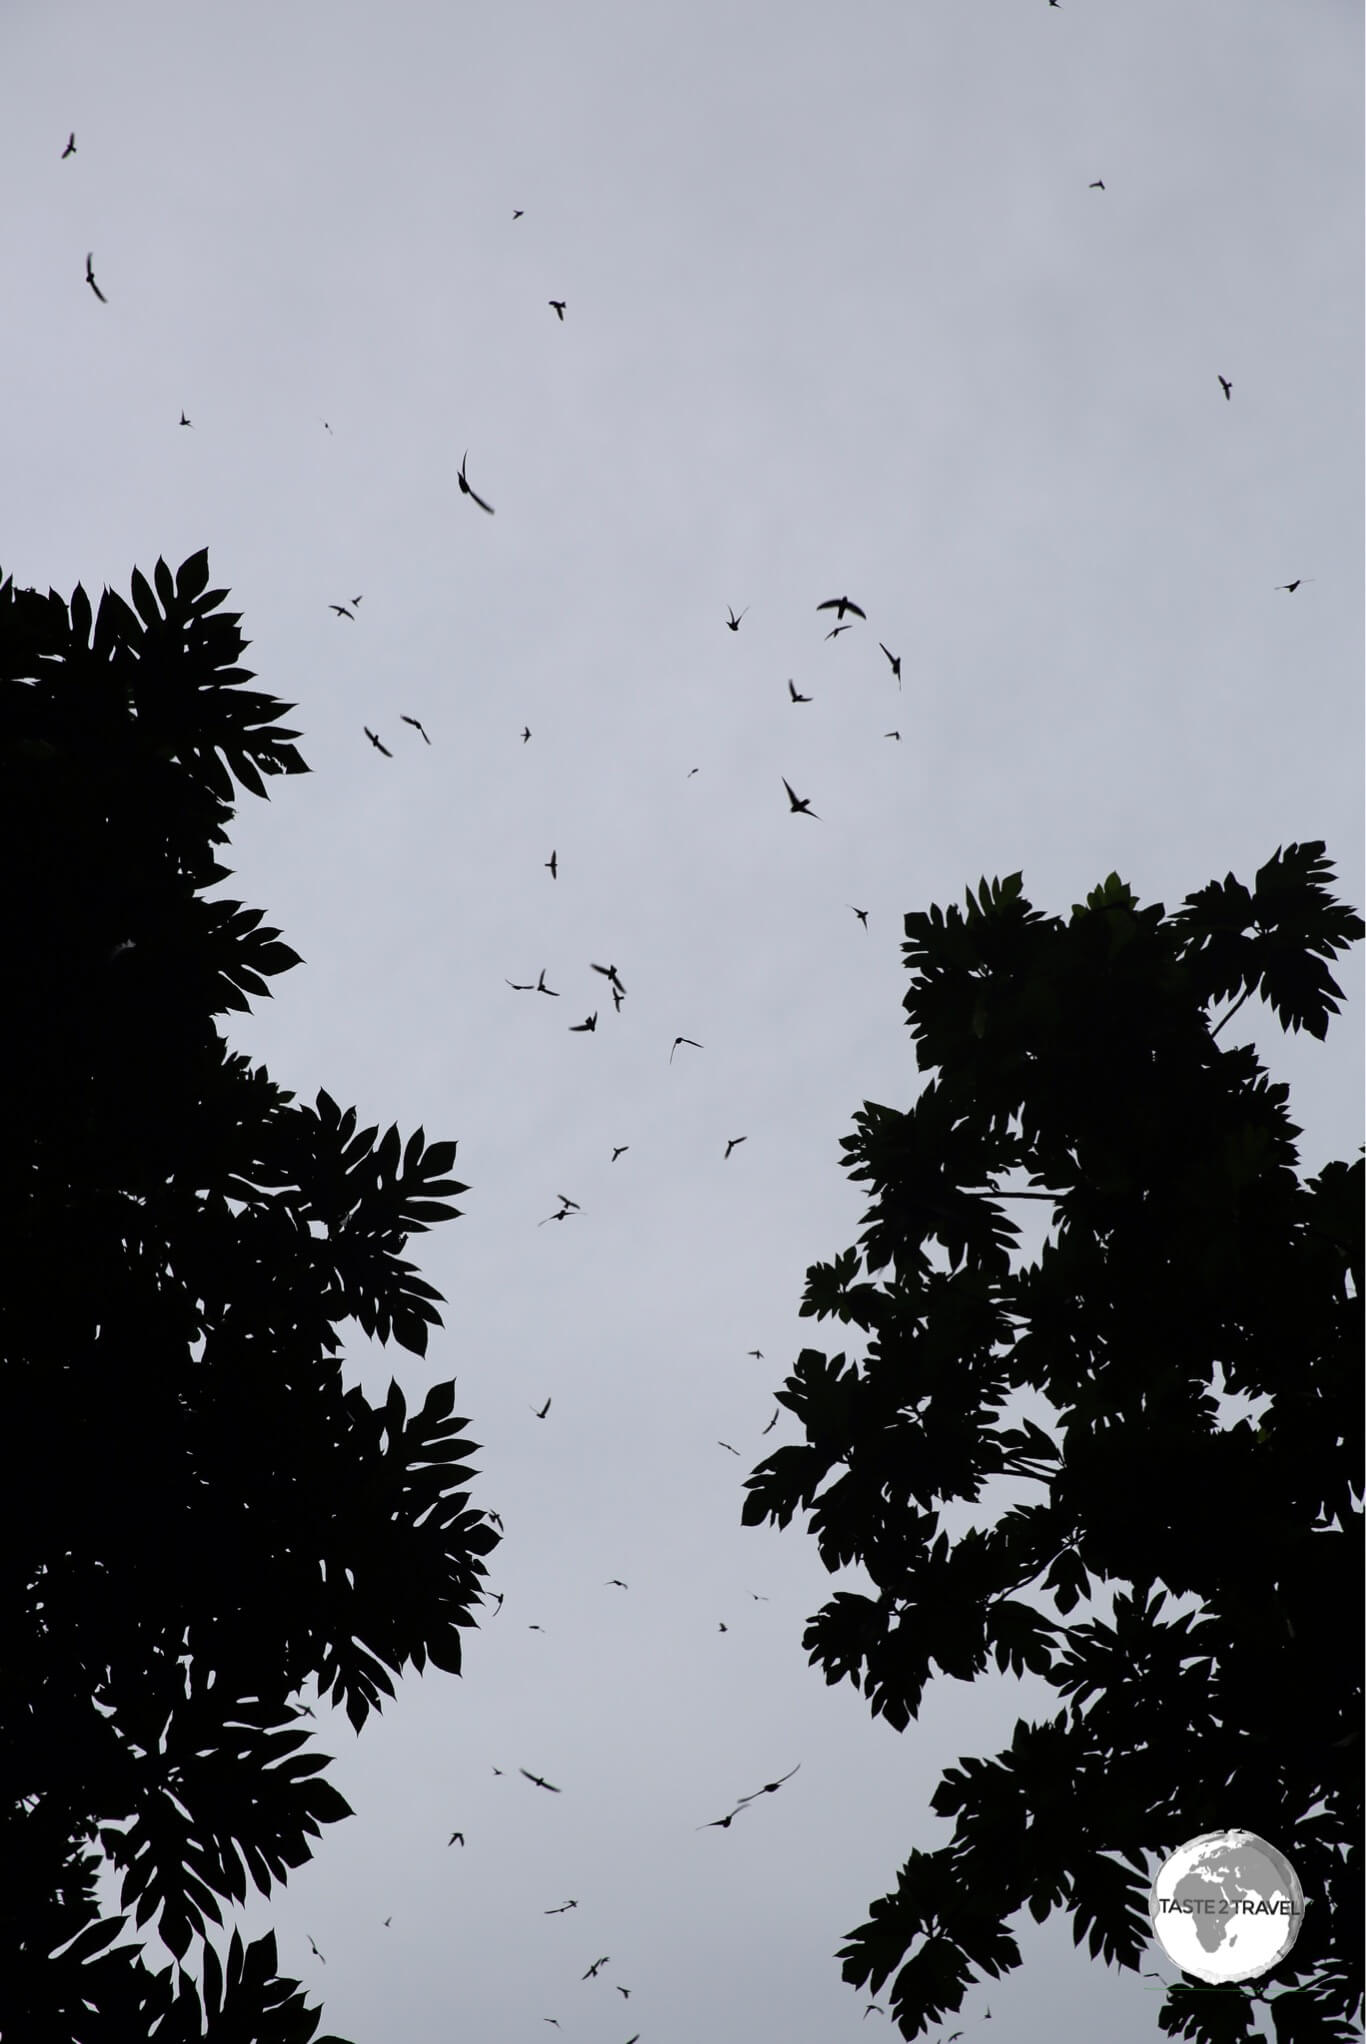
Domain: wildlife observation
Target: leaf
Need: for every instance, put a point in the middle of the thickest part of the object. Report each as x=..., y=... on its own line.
x=192, y=576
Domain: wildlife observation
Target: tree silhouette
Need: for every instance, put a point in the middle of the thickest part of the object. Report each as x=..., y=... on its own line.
x=1181, y=1241
x=197, y=1518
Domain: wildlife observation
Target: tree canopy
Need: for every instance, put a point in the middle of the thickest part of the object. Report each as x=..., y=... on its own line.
x=1181, y=1247
x=199, y=1519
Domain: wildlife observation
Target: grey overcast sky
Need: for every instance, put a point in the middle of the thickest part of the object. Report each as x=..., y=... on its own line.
x=842, y=314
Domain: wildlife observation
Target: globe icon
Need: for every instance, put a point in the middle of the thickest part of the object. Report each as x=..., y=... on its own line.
x=1226, y=1907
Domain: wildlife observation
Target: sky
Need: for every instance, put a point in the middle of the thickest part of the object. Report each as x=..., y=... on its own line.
x=843, y=314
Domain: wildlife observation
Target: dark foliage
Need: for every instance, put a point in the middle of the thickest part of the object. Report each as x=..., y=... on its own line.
x=197, y=1519
x=1182, y=1242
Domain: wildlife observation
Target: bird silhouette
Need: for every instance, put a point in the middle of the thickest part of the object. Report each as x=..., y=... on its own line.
x=70, y=149
x=625, y=1993
x=554, y=865
x=387, y=1921
x=591, y=1023
x=1096, y=185
x=520, y=986
x=416, y=726
x=497, y=1599
x=620, y=1151
x=536, y=1777
x=1291, y=587
x=90, y=280
x=314, y=1949
x=592, y=1972
x=770, y=1787
x=358, y=599
x=791, y=689
x=541, y=988
x=773, y=1422
x=728, y=1448
x=557, y=307
x=375, y=742
x=733, y=1143
x=342, y=611
x=615, y=1582
x=721, y=1823
x=570, y=1904
x=456, y=1838
x=617, y=998
x=895, y=659
x=841, y=604
x=893, y=734
x=861, y=913
x=875, y=2008
x=183, y=420
x=800, y=804
x=517, y=212
x=465, y=489
x=721, y=1627
x=564, y=1214
x=835, y=631
x=526, y=733
x=610, y=972
x=757, y=1598
x=684, y=1039
x=541, y=1410
x=732, y=621
x=1226, y=386
x=757, y=1352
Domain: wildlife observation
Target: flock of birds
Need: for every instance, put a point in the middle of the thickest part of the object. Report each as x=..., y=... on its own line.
x=846, y=612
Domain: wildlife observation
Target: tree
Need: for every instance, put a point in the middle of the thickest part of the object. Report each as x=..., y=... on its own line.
x=1181, y=1239
x=198, y=1519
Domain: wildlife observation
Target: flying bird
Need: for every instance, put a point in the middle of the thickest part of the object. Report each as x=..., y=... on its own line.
x=1097, y=185
x=615, y=1582
x=876, y=2009
x=758, y=1599
x=835, y=631
x=800, y=804
x=342, y=611
x=90, y=280
x=770, y=1787
x=465, y=489
x=617, y=998
x=542, y=1410
x=755, y=1352
x=592, y=1972
x=732, y=621
x=722, y=1823
x=526, y=733
x=570, y=1904
x=456, y=1837
x=1226, y=386
x=375, y=742
x=316, y=1953
x=773, y=1422
x=733, y=1143
x=183, y=420
x=1291, y=587
x=706, y=1827
x=416, y=726
x=620, y=1151
x=895, y=659
x=610, y=972
x=497, y=1597
x=839, y=604
x=536, y=1777
x=541, y=988
x=387, y=1921
x=557, y=307
x=564, y=1214
x=791, y=689
x=893, y=734
x=728, y=1448
x=591, y=1023
x=861, y=913
x=684, y=1039
x=517, y=212
x=70, y=149
x=553, y=863
x=520, y=986
x=625, y=1992
x=358, y=599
